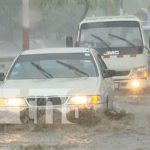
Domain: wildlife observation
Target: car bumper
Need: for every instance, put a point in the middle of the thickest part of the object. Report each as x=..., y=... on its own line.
x=13, y=115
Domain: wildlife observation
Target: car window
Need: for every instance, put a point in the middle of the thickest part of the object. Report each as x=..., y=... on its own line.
x=54, y=66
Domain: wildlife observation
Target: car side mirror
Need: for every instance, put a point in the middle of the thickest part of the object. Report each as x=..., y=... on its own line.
x=69, y=41
x=109, y=73
x=2, y=76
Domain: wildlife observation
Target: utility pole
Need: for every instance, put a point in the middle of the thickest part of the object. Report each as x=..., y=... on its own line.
x=25, y=25
x=121, y=8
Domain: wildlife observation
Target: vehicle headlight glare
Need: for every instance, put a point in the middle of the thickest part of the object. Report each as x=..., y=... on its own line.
x=135, y=84
x=84, y=100
x=79, y=100
x=15, y=102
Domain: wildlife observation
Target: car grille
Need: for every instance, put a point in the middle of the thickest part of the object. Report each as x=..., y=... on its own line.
x=46, y=101
x=122, y=73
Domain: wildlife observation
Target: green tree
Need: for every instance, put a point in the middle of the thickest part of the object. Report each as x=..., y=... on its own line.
x=108, y=5
x=61, y=17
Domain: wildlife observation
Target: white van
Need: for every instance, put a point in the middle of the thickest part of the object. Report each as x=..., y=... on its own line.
x=120, y=42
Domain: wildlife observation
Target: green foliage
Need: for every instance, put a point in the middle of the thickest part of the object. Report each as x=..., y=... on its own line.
x=105, y=4
x=54, y=3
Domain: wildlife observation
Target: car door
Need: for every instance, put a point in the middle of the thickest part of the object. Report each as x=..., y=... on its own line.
x=108, y=81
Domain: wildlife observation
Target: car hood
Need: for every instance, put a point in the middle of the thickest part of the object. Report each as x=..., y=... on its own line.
x=51, y=87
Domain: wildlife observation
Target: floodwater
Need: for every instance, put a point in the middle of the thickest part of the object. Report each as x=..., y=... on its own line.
x=127, y=128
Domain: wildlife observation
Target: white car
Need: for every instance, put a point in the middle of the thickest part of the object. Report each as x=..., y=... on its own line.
x=58, y=78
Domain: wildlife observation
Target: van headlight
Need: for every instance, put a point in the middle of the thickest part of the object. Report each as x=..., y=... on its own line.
x=141, y=72
x=13, y=102
x=135, y=84
x=84, y=100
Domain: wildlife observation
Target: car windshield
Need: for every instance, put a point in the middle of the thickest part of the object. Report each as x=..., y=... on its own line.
x=46, y=66
x=114, y=34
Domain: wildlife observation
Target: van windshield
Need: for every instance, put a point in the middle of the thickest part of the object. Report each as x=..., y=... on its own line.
x=124, y=36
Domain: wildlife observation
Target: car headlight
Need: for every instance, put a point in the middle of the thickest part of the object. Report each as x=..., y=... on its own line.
x=2, y=102
x=141, y=72
x=84, y=100
x=13, y=102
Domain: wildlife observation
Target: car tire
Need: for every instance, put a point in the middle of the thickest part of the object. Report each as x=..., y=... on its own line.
x=109, y=105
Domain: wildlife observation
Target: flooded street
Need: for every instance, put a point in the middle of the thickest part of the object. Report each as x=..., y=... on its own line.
x=63, y=60
x=129, y=129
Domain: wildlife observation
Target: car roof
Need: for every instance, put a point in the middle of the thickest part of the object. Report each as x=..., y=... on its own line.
x=56, y=50
x=110, y=18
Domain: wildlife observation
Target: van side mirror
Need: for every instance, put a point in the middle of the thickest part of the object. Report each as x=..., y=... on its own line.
x=109, y=73
x=2, y=76
x=69, y=41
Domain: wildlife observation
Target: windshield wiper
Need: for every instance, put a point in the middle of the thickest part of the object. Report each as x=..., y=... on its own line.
x=72, y=68
x=45, y=73
x=98, y=38
x=123, y=39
